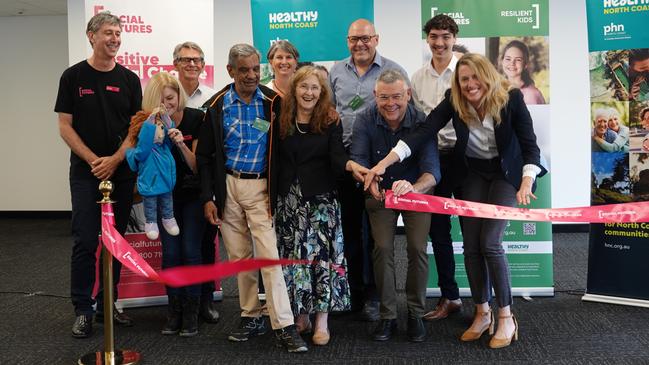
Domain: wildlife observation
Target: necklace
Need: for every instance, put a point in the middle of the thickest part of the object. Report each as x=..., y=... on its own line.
x=297, y=125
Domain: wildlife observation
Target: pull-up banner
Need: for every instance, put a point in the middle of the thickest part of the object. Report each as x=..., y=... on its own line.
x=619, y=91
x=152, y=28
x=317, y=28
x=506, y=30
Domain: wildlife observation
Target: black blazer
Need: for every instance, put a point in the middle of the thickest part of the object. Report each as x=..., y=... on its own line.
x=515, y=138
x=316, y=160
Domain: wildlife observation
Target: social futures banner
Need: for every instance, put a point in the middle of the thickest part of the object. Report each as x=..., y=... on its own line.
x=317, y=28
x=150, y=32
x=151, y=29
x=619, y=92
x=489, y=27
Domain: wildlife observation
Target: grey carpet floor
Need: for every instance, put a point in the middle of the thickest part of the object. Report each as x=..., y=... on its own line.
x=36, y=316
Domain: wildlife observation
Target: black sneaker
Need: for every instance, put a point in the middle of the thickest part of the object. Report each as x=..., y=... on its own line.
x=82, y=327
x=289, y=338
x=248, y=327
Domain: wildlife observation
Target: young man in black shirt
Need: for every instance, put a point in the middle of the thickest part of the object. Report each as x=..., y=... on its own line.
x=95, y=102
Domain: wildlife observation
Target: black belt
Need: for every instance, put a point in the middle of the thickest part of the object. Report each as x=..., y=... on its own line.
x=246, y=175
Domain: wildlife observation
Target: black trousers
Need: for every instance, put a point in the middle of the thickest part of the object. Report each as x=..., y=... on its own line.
x=208, y=252
x=484, y=255
x=86, y=227
x=440, y=225
x=358, y=242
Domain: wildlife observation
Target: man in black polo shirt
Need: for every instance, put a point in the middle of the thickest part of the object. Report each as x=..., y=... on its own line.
x=95, y=102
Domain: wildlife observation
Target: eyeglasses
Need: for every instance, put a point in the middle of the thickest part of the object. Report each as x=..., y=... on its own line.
x=365, y=39
x=196, y=60
x=394, y=97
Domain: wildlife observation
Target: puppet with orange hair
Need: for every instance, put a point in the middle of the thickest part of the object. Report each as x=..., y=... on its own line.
x=156, y=169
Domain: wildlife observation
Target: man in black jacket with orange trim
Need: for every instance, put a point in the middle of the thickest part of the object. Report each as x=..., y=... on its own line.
x=235, y=152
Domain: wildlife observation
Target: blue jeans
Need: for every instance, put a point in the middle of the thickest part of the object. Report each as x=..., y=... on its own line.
x=184, y=249
x=151, y=204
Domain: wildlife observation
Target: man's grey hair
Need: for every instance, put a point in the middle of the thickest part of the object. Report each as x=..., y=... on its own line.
x=99, y=19
x=241, y=50
x=190, y=45
x=391, y=76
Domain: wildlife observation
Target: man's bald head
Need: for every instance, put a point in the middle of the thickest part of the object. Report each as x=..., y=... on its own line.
x=362, y=41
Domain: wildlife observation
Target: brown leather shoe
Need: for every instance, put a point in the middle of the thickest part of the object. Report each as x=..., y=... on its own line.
x=443, y=308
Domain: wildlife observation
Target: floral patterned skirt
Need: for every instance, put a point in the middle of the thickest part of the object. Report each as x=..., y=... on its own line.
x=310, y=229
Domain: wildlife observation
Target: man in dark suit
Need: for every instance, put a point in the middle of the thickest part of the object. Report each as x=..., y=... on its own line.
x=376, y=132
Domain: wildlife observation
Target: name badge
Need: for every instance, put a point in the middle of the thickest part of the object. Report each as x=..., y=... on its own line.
x=261, y=125
x=356, y=102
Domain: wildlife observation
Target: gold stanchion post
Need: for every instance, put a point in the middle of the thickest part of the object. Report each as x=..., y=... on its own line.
x=109, y=356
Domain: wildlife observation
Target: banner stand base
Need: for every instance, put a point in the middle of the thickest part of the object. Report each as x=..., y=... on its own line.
x=155, y=301
x=517, y=292
x=119, y=357
x=615, y=300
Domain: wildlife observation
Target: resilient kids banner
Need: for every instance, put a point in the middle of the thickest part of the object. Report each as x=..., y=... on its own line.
x=317, y=28
x=148, y=41
x=503, y=30
x=619, y=92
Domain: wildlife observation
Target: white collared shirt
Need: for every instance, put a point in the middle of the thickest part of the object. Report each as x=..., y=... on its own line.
x=428, y=88
x=482, y=140
x=200, y=96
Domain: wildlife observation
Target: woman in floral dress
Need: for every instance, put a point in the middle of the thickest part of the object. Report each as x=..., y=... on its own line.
x=307, y=218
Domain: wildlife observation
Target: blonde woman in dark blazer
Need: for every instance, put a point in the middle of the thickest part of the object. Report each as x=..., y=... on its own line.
x=496, y=141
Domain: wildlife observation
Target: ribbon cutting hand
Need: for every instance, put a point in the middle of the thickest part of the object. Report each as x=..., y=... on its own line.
x=372, y=180
x=401, y=187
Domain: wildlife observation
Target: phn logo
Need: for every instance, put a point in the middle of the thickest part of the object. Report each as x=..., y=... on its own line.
x=613, y=28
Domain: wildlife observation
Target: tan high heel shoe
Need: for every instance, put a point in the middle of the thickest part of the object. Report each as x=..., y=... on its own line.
x=468, y=336
x=321, y=338
x=497, y=343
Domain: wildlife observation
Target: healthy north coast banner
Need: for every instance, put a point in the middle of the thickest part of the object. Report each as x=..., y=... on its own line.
x=488, y=27
x=317, y=28
x=619, y=89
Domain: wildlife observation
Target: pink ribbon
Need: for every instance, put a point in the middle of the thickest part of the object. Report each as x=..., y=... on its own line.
x=177, y=276
x=611, y=213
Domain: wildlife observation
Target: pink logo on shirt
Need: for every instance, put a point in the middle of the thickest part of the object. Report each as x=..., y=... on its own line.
x=83, y=92
x=114, y=89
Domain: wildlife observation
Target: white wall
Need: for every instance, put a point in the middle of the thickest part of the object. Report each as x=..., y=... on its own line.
x=37, y=52
x=34, y=159
x=570, y=110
